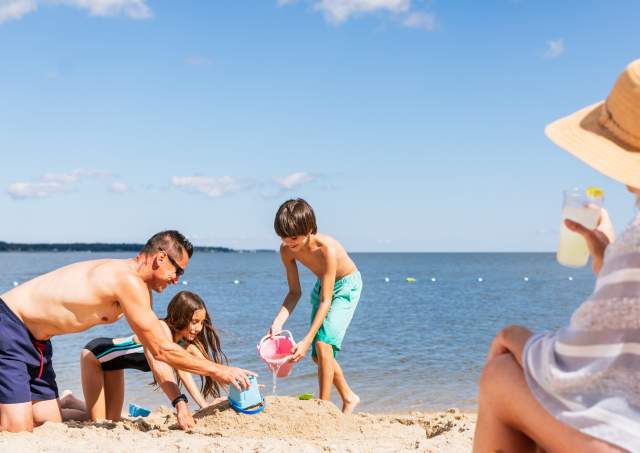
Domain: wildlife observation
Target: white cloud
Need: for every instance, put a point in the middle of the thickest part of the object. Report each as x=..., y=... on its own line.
x=15, y=9
x=119, y=187
x=198, y=60
x=293, y=180
x=555, y=48
x=211, y=186
x=425, y=21
x=338, y=11
x=51, y=183
x=134, y=9
x=23, y=190
x=73, y=176
x=285, y=2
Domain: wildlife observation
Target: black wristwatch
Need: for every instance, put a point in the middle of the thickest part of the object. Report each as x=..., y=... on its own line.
x=181, y=397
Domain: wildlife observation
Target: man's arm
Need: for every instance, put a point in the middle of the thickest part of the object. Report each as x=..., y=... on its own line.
x=166, y=380
x=293, y=296
x=327, y=281
x=135, y=301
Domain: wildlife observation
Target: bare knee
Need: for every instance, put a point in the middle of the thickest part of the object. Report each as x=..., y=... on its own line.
x=16, y=424
x=324, y=351
x=18, y=428
x=87, y=357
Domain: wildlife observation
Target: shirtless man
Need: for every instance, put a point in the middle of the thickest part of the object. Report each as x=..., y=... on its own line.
x=77, y=297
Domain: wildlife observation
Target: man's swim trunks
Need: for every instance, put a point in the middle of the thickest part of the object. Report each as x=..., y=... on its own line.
x=26, y=371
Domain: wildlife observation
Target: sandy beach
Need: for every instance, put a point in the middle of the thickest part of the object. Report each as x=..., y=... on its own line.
x=286, y=425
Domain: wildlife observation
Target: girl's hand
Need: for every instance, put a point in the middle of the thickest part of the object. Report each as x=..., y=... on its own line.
x=597, y=239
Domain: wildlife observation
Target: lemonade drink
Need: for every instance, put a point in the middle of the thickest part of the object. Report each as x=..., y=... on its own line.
x=584, y=208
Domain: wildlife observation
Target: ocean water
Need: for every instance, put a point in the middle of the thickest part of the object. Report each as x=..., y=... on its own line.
x=410, y=346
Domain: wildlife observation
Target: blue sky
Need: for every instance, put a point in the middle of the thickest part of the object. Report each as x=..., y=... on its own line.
x=408, y=125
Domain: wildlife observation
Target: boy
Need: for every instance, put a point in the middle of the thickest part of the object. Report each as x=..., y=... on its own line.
x=334, y=297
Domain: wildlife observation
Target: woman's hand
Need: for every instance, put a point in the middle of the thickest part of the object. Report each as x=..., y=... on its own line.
x=511, y=340
x=597, y=239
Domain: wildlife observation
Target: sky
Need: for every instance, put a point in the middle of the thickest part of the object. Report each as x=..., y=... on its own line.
x=408, y=125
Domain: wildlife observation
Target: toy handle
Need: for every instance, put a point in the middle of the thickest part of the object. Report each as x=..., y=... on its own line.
x=249, y=411
x=276, y=334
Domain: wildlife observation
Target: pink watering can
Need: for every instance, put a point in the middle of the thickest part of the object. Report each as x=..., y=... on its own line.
x=275, y=351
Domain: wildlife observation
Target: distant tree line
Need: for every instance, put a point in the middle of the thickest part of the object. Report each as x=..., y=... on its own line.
x=101, y=247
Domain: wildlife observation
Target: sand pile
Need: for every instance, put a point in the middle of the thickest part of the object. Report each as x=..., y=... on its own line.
x=287, y=424
x=282, y=417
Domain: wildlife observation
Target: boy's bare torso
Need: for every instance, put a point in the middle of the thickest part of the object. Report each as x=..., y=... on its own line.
x=73, y=298
x=320, y=250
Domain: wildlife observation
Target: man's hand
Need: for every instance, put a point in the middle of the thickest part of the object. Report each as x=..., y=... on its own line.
x=597, y=239
x=184, y=416
x=231, y=375
x=300, y=350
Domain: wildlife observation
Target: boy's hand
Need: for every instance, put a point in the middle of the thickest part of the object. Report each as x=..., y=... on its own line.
x=300, y=350
x=274, y=330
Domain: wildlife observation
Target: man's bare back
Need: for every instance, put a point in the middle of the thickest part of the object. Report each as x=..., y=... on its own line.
x=73, y=298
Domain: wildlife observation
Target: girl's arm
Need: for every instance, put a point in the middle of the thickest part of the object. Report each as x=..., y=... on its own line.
x=292, y=297
x=192, y=388
x=190, y=383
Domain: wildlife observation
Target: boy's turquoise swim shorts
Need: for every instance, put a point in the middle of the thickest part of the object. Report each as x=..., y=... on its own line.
x=346, y=294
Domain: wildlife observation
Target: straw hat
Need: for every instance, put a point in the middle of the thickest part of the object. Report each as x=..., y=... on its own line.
x=606, y=135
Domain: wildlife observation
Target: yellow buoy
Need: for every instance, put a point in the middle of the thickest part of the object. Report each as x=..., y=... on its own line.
x=411, y=279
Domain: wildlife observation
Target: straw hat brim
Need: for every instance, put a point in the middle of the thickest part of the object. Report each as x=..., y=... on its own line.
x=582, y=135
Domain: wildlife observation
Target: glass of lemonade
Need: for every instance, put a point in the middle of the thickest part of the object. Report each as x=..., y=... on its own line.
x=582, y=206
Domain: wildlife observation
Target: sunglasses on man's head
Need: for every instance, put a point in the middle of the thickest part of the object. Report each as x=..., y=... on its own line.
x=179, y=270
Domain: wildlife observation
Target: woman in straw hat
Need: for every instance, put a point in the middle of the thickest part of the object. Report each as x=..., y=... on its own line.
x=578, y=389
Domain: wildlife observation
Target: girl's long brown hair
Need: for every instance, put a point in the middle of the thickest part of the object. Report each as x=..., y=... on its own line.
x=179, y=314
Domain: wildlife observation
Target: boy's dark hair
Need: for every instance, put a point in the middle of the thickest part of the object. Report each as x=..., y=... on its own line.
x=295, y=218
x=171, y=241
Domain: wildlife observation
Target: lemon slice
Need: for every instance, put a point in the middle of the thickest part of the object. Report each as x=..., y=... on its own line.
x=595, y=192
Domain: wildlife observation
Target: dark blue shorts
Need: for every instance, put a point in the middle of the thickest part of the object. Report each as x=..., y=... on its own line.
x=26, y=371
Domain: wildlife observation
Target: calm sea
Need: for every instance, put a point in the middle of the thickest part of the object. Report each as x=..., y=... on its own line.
x=411, y=346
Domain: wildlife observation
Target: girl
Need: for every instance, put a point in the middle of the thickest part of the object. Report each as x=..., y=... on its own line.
x=103, y=361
